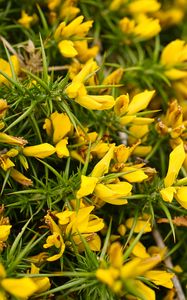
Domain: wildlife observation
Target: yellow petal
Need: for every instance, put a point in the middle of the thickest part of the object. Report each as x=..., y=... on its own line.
x=116, y=255
x=121, y=105
x=143, y=6
x=138, y=266
x=142, y=151
x=98, y=102
x=39, y=151
x=87, y=186
x=95, y=243
x=139, y=250
x=160, y=278
x=142, y=121
x=20, y=178
x=176, y=159
x=12, y=140
x=61, y=126
x=67, y=48
x=146, y=291
x=140, y=225
x=2, y=271
x=102, y=167
x=61, y=148
x=134, y=175
x=107, y=276
x=4, y=232
x=181, y=196
x=140, y=102
x=20, y=288
x=113, y=193
x=168, y=193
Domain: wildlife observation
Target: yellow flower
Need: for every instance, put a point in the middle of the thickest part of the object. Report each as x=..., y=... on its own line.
x=3, y=107
x=159, y=277
x=76, y=88
x=81, y=221
x=53, y=4
x=87, y=186
x=134, y=174
x=181, y=196
x=143, y=6
x=168, y=193
x=146, y=292
x=172, y=123
x=15, y=287
x=68, y=10
x=20, y=178
x=61, y=148
x=140, y=225
x=114, y=77
x=96, y=102
x=173, y=56
x=39, y=151
x=139, y=250
x=113, y=193
x=57, y=126
x=169, y=17
x=27, y=20
x=67, y=48
x=140, y=102
x=11, y=140
x=176, y=159
x=85, y=53
x=4, y=232
x=146, y=28
x=102, y=167
x=107, y=276
x=43, y=283
x=5, y=67
x=54, y=240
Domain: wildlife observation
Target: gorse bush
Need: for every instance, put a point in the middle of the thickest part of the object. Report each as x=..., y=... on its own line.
x=93, y=158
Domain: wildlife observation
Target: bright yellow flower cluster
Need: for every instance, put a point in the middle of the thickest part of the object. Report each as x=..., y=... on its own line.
x=123, y=275
x=73, y=226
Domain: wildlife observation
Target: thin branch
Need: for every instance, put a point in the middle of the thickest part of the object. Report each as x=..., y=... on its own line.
x=168, y=262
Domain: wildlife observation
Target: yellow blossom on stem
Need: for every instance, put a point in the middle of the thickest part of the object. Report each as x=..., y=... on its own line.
x=5, y=67
x=102, y=167
x=176, y=159
x=140, y=225
x=67, y=48
x=20, y=178
x=27, y=20
x=58, y=125
x=61, y=148
x=43, y=283
x=55, y=240
x=12, y=140
x=173, y=56
x=39, y=151
x=160, y=277
x=84, y=53
x=4, y=232
x=113, y=193
x=15, y=287
x=140, y=102
x=3, y=107
x=87, y=186
x=143, y=6
x=96, y=102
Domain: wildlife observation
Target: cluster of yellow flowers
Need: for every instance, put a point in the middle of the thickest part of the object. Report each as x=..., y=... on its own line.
x=93, y=148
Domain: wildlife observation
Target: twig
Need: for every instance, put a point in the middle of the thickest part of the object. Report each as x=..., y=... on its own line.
x=168, y=262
